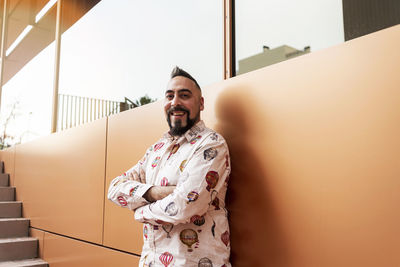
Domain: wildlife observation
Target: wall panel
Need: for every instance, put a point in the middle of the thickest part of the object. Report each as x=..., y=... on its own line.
x=129, y=135
x=60, y=179
x=66, y=252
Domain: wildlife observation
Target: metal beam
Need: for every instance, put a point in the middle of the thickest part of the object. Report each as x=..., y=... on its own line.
x=3, y=45
x=56, y=68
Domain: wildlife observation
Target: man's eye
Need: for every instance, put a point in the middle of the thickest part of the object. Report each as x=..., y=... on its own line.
x=184, y=95
x=169, y=97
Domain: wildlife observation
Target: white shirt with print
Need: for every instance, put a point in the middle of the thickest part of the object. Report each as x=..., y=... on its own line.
x=190, y=226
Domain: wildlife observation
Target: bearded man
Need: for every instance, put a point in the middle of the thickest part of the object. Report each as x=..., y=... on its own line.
x=177, y=190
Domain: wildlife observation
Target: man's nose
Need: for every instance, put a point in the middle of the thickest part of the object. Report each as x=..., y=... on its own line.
x=175, y=102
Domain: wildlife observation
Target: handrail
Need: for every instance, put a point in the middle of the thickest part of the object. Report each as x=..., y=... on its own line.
x=77, y=110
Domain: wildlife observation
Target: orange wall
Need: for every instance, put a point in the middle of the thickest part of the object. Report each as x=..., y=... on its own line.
x=60, y=179
x=315, y=165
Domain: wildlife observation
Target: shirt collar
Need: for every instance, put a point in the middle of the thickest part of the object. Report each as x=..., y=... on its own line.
x=190, y=134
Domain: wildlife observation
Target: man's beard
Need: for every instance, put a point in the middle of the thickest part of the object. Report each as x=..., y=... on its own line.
x=178, y=129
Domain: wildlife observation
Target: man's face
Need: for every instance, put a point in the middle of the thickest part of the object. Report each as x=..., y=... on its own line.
x=182, y=105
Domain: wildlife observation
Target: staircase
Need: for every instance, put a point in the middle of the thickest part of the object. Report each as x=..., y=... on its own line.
x=16, y=247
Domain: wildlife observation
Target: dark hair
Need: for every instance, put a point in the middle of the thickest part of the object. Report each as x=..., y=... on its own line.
x=180, y=72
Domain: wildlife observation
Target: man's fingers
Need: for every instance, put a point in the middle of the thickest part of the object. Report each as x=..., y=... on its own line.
x=135, y=176
x=142, y=176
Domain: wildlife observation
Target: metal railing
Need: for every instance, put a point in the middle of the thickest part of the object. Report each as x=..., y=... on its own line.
x=77, y=110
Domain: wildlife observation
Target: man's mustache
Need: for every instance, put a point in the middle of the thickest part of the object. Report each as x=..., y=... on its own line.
x=177, y=109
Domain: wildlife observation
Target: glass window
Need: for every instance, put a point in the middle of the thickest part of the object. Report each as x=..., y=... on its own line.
x=271, y=31
x=28, y=72
x=127, y=48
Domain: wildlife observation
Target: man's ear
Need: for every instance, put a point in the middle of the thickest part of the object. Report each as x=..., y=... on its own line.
x=202, y=103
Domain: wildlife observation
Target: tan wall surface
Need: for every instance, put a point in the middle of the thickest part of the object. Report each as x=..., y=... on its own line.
x=66, y=252
x=7, y=156
x=60, y=179
x=129, y=135
x=316, y=157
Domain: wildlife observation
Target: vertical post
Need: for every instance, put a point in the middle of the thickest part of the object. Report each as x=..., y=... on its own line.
x=62, y=113
x=3, y=45
x=79, y=112
x=56, y=67
x=229, y=42
x=71, y=99
x=87, y=109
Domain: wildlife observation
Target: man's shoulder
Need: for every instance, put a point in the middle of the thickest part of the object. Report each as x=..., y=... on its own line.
x=210, y=136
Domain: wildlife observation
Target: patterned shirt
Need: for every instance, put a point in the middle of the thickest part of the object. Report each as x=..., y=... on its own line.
x=190, y=226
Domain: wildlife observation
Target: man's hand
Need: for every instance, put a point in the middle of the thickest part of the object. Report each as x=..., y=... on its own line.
x=141, y=177
x=158, y=192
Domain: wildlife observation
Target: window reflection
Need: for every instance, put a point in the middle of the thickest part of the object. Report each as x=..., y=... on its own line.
x=28, y=73
x=124, y=48
x=271, y=31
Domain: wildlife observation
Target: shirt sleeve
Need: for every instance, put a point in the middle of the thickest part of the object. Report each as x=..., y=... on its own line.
x=128, y=193
x=202, y=179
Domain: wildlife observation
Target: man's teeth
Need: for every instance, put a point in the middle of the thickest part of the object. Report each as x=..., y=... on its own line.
x=178, y=113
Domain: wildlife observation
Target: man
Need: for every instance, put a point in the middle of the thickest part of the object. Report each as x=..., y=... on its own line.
x=178, y=188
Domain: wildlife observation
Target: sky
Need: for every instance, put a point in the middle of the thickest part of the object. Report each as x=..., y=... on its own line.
x=127, y=48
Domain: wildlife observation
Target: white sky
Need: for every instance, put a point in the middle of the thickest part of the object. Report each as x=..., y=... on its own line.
x=128, y=48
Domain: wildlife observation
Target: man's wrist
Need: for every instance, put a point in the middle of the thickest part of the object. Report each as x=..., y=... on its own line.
x=149, y=195
x=157, y=192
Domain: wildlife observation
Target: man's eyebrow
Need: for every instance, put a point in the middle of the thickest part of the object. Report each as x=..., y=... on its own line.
x=183, y=90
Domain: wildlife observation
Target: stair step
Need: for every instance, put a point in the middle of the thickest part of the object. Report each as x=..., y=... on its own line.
x=10, y=209
x=25, y=263
x=18, y=248
x=14, y=227
x=7, y=193
x=4, y=178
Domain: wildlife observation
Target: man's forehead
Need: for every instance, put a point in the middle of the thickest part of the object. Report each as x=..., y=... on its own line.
x=180, y=82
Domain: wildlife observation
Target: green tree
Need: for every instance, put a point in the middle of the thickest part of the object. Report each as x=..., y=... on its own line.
x=143, y=101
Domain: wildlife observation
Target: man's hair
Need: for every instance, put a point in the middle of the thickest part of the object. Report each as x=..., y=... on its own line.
x=180, y=72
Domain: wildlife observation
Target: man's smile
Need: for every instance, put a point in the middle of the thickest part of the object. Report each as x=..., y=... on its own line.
x=177, y=113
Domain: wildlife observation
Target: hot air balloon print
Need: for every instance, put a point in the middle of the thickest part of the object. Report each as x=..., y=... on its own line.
x=198, y=220
x=225, y=238
x=215, y=203
x=205, y=262
x=166, y=258
x=168, y=228
x=155, y=162
x=122, y=201
x=164, y=181
x=174, y=150
x=210, y=153
x=182, y=166
x=192, y=196
x=145, y=231
x=214, y=136
x=189, y=237
x=211, y=179
x=158, y=146
x=133, y=190
x=171, y=209
x=194, y=140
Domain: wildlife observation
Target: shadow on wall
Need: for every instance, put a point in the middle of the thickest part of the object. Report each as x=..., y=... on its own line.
x=256, y=236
